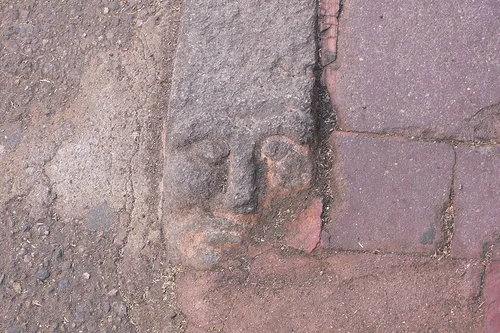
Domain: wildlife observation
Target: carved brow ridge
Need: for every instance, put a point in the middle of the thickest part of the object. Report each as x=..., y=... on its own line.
x=295, y=125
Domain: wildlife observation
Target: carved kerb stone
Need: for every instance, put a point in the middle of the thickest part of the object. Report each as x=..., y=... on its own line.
x=239, y=123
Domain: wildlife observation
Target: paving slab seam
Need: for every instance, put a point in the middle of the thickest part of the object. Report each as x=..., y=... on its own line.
x=448, y=217
x=485, y=261
x=423, y=139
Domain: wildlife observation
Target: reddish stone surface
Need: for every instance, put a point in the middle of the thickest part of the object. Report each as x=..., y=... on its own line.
x=418, y=68
x=303, y=233
x=477, y=197
x=492, y=292
x=328, y=10
x=388, y=193
x=344, y=293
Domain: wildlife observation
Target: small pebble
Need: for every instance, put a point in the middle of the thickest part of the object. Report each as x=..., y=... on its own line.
x=42, y=274
x=2, y=277
x=63, y=284
x=105, y=10
x=66, y=266
x=107, y=307
x=17, y=287
x=112, y=292
x=120, y=309
x=86, y=276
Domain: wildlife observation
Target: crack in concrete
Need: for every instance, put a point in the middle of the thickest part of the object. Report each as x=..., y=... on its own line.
x=130, y=181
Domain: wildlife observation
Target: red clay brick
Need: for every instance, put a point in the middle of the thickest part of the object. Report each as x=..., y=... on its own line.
x=492, y=293
x=418, y=68
x=388, y=193
x=344, y=293
x=303, y=233
x=477, y=197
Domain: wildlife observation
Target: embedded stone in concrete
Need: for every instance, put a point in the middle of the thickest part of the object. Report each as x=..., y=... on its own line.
x=243, y=75
x=492, y=294
x=418, y=68
x=477, y=193
x=343, y=293
x=389, y=193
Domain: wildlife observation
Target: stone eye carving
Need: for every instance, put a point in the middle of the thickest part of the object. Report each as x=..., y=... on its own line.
x=214, y=152
x=194, y=173
x=206, y=220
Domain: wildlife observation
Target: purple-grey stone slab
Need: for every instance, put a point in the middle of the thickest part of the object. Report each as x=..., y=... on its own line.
x=477, y=197
x=419, y=68
x=389, y=194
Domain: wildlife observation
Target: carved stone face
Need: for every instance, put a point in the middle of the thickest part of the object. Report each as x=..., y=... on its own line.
x=217, y=175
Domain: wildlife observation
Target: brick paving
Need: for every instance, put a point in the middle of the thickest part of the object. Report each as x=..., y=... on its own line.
x=429, y=72
x=407, y=235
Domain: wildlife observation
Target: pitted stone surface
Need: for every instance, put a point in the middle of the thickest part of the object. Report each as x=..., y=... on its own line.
x=419, y=68
x=389, y=194
x=243, y=73
x=477, y=193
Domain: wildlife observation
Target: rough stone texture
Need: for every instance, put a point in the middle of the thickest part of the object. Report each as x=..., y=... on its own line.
x=389, y=193
x=343, y=293
x=492, y=302
x=243, y=74
x=477, y=193
x=418, y=68
x=303, y=232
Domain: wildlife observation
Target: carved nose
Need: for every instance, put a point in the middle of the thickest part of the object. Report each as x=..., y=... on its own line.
x=240, y=189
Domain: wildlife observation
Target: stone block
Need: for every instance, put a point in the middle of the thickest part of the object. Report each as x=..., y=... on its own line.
x=477, y=197
x=389, y=193
x=418, y=68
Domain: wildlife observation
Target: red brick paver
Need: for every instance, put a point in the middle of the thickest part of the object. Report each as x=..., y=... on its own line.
x=477, y=197
x=388, y=193
x=344, y=293
x=423, y=68
x=303, y=233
